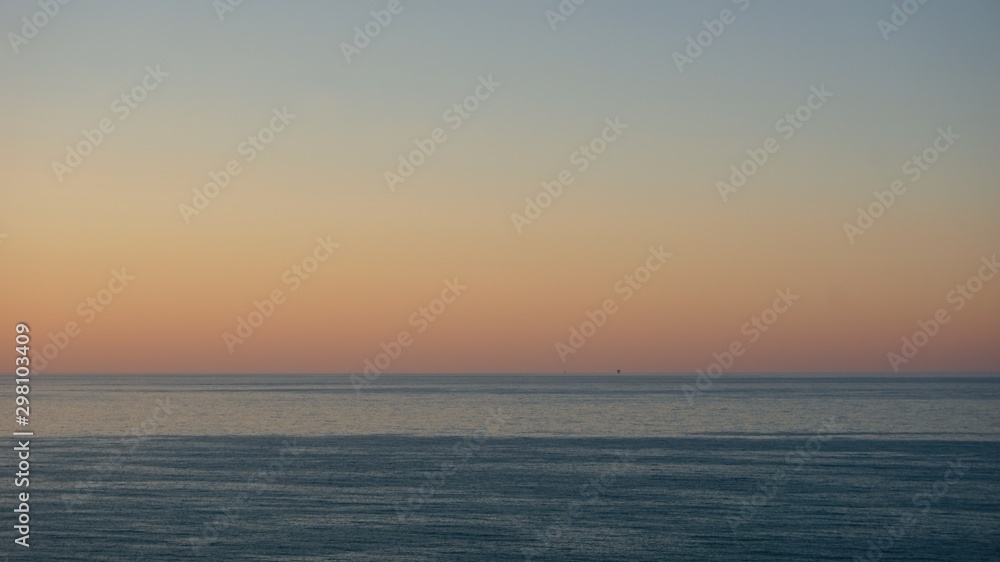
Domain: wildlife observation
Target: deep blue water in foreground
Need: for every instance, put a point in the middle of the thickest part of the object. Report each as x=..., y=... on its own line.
x=514, y=468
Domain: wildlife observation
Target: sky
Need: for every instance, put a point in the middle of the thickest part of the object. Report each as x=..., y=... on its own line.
x=121, y=258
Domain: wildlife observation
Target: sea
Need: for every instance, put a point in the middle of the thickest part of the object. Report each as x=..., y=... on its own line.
x=511, y=467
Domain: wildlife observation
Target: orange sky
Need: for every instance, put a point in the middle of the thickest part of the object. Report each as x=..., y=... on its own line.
x=654, y=185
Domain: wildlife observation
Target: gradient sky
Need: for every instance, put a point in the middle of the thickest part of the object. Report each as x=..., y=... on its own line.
x=655, y=186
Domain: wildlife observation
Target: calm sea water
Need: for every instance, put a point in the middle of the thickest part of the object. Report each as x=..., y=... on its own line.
x=514, y=468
